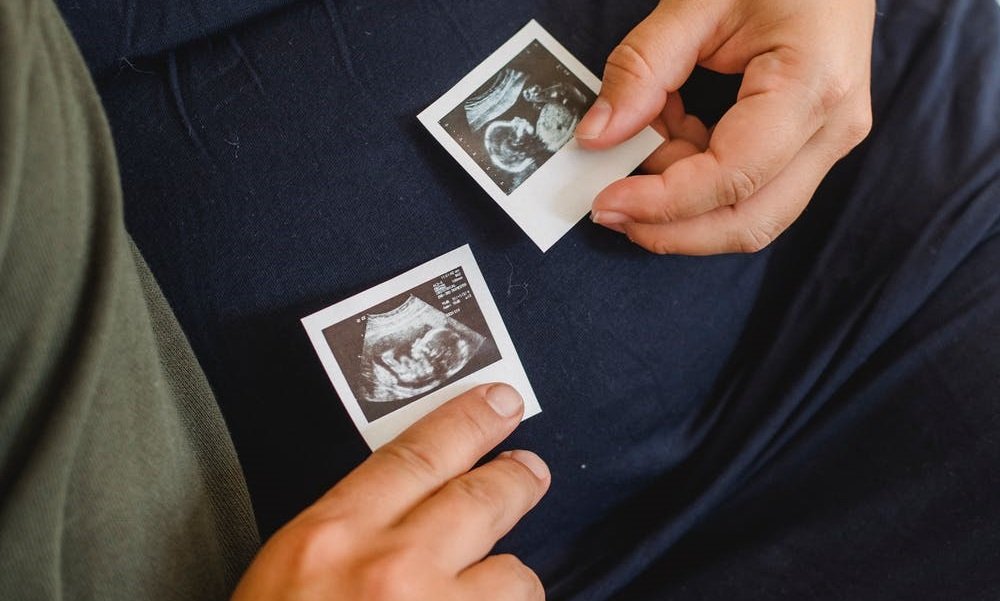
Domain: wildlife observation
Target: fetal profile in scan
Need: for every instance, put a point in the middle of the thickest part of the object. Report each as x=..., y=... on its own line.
x=520, y=118
x=413, y=349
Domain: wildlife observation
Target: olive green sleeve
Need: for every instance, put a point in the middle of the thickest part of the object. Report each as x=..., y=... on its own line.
x=118, y=479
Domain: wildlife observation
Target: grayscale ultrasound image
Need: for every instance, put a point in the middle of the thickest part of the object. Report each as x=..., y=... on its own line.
x=412, y=344
x=515, y=122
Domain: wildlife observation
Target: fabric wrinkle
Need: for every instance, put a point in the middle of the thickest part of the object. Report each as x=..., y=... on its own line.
x=180, y=106
x=238, y=49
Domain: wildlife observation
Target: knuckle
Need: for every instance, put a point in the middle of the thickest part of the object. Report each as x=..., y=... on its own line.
x=523, y=575
x=750, y=240
x=833, y=91
x=755, y=237
x=824, y=90
x=668, y=203
x=389, y=577
x=419, y=459
x=311, y=547
x=666, y=212
x=858, y=126
x=482, y=495
x=660, y=246
x=628, y=60
x=736, y=185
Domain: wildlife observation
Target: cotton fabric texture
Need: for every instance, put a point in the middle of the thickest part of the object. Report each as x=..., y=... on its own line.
x=815, y=421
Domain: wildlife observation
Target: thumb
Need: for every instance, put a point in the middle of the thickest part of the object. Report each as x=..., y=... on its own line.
x=652, y=61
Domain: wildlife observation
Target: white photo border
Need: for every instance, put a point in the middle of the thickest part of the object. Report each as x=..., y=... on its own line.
x=556, y=196
x=508, y=369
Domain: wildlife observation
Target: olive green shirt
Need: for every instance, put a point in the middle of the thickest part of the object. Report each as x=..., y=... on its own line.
x=118, y=479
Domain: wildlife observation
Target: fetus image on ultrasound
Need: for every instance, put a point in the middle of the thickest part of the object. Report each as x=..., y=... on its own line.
x=518, y=120
x=413, y=344
x=413, y=349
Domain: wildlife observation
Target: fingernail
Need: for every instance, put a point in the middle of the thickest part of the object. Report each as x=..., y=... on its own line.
x=504, y=400
x=595, y=121
x=532, y=462
x=609, y=218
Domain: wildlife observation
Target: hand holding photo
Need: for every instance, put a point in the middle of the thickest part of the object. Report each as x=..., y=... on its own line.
x=510, y=124
x=400, y=349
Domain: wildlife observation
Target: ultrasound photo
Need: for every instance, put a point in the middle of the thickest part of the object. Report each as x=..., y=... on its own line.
x=519, y=119
x=402, y=349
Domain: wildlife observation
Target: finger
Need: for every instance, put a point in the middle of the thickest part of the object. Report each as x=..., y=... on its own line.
x=444, y=444
x=461, y=522
x=686, y=135
x=501, y=578
x=752, y=143
x=752, y=224
x=652, y=61
x=682, y=125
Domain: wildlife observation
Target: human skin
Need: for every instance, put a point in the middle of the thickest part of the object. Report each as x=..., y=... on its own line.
x=413, y=522
x=804, y=103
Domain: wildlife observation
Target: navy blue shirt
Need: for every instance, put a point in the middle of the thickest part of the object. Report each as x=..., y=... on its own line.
x=817, y=420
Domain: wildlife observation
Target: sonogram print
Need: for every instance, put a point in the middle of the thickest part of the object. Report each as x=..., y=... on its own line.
x=515, y=122
x=415, y=343
x=412, y=350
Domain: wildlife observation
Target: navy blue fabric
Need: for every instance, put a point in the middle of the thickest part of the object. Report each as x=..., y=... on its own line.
x=819, y=420
x=113, y=33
